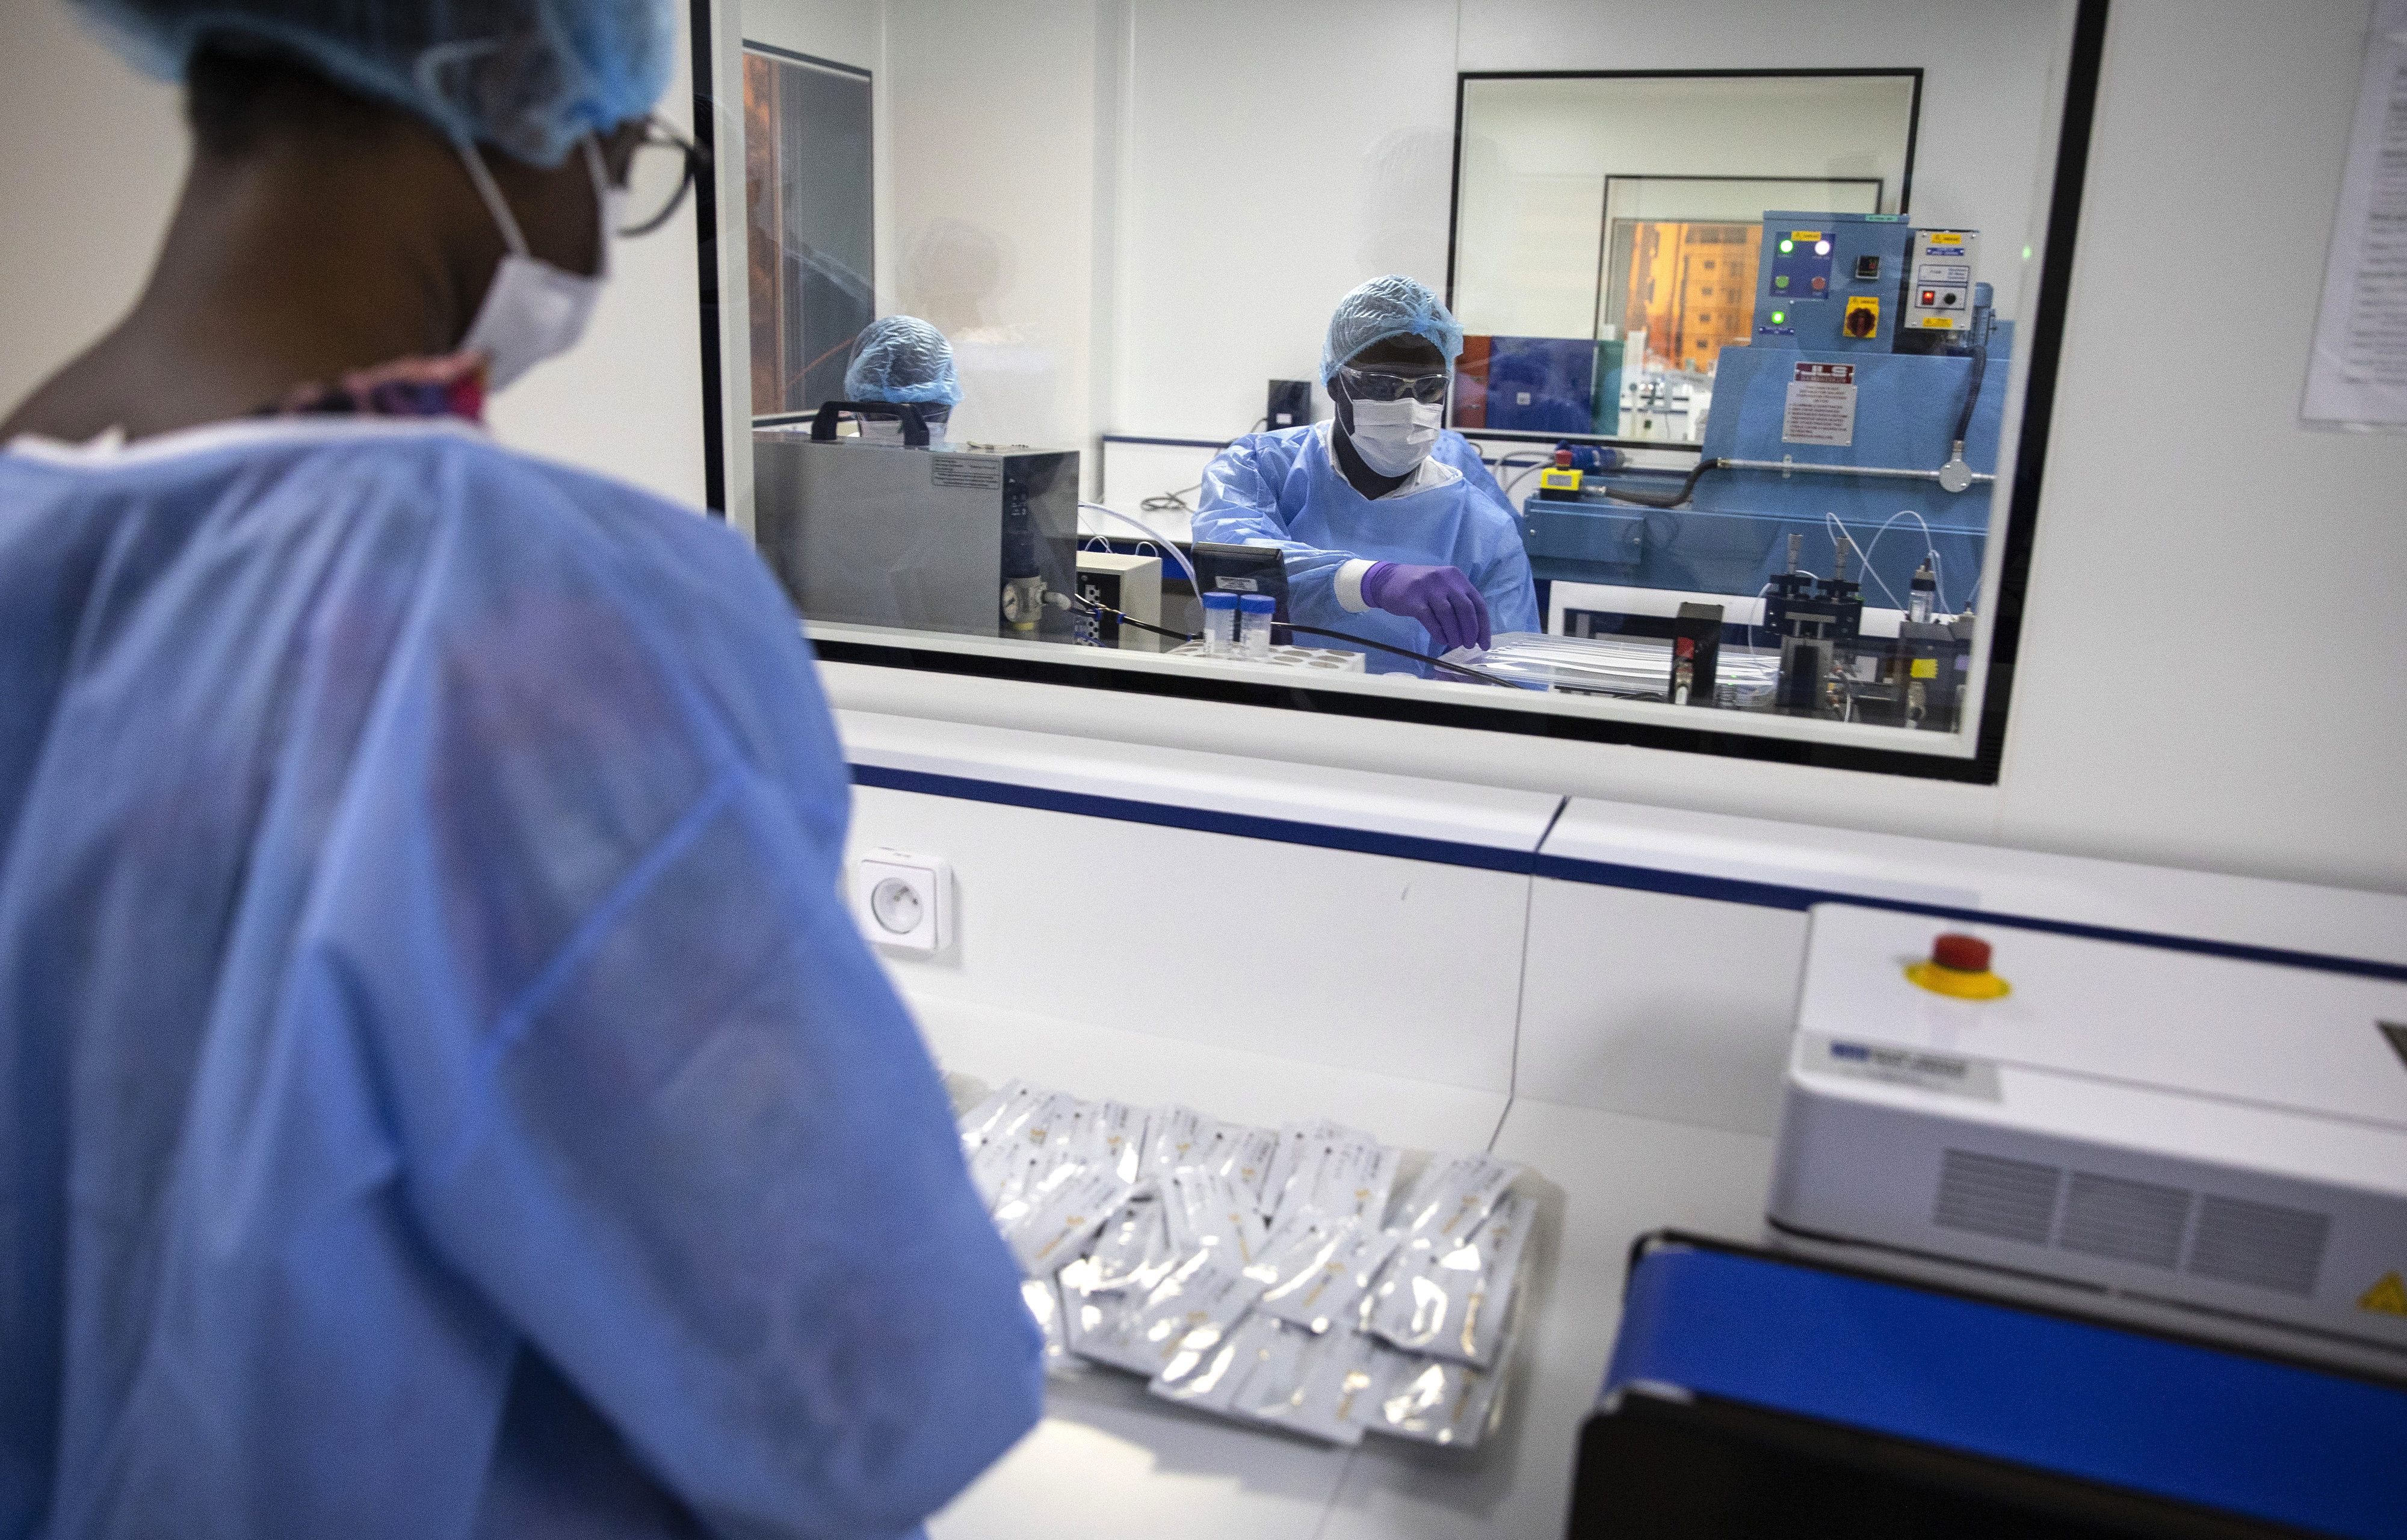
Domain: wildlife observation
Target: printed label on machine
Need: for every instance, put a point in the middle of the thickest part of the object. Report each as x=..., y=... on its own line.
x=982, y=471
x=1821, y=405
x=1975, y=1078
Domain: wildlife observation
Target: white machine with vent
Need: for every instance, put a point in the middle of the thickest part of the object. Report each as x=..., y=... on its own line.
x=2213, y=1141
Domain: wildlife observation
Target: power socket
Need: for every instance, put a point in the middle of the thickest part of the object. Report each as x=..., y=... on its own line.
x=906, y=900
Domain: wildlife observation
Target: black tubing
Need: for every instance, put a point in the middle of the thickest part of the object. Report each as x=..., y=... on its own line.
x=1971, y=390
x=1309, y=630
x=1400, y=652
x=1688, y=488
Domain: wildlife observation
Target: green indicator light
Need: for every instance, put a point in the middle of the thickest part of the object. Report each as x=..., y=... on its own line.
x=1778, y=316
x=1781, y=282
x=2027, y=253
x=1789, y=246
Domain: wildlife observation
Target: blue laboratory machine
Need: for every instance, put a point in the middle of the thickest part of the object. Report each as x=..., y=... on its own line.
x=1849, y=462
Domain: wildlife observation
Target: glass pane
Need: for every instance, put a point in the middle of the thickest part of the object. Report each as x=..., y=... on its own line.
x=807, y=209
x=1726, y=443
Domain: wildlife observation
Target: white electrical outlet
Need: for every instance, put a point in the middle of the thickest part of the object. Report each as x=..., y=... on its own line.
x=906, y=900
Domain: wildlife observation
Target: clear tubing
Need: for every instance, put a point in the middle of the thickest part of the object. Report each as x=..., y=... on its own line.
x=1930, y=548
x=1156, y=536
x=1839, y=532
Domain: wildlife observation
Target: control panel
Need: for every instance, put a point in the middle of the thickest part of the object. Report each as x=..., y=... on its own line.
x=1827, y=283
x=1800, y=264
x=1941, y=265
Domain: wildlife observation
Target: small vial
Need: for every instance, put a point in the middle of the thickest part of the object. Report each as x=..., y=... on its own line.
x=1918, y=597
x=1219, y=625
x=1254, y=612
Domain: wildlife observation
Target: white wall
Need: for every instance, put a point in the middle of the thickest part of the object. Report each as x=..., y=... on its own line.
x=1985, y=91
x=2179, y=481
x=1536, y=154
x=994, y=156
x=2210, y=663
x=96, y=156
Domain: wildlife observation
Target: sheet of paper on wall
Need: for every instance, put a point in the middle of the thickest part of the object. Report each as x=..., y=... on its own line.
x=2357, y=374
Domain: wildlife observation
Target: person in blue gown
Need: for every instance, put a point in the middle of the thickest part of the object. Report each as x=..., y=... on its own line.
x=1394, y=530
x=441, y=1091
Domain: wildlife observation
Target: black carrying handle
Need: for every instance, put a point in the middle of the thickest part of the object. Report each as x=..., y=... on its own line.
x=914, y=428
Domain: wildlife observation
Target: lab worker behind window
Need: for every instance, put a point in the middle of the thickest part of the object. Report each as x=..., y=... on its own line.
x=903, y=359
x=1389, y=534
x=441, y=1091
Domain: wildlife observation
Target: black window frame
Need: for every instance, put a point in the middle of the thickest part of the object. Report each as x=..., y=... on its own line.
x=2045, y=337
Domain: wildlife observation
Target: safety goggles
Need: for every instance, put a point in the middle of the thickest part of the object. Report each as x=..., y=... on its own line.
x=658, y=166
x=1385, y=384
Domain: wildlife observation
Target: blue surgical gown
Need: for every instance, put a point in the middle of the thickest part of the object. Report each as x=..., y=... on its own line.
x=441, y=1090
x=1285, y=489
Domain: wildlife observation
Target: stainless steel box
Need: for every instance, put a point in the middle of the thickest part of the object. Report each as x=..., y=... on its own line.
x=933, y=540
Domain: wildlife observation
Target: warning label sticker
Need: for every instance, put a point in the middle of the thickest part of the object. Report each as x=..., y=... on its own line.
x=978, y=471
x=1923, y=1071
x=1821, y=405
x=2386, y=1297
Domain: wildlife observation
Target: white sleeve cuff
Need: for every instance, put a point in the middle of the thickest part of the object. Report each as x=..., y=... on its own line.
x=1350, y=586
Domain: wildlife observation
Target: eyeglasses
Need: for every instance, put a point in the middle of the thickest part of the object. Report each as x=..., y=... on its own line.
x=662, y=165
x=1380, y=384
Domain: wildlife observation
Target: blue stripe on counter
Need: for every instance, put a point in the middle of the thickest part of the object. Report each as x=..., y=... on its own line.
x=1735, y=890
x=1287, y=831
x=1454, y=853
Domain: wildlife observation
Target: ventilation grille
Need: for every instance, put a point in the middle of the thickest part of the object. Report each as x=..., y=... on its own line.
x=2259, y=1243
x=2128, y=1221
x=2231, y=1240
x=2011, y=1199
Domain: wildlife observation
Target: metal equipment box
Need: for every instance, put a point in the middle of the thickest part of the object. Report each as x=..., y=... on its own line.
x=2143, y=1129
x=943, y=538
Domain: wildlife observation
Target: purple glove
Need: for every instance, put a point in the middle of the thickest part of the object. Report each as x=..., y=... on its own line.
x=1440, y=598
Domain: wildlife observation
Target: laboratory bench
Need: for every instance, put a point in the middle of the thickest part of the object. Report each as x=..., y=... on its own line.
x=1605, y=993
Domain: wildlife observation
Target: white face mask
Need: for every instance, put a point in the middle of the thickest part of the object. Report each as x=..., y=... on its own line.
x=1394, y=436
x=534, y=311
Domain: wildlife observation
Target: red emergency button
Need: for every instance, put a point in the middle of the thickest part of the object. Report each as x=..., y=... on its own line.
x=1958, y=966
x=1964, y=953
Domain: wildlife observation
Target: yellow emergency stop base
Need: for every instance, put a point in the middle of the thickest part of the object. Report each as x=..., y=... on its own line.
x=1955, y=982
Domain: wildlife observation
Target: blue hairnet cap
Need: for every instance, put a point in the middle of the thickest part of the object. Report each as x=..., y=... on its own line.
x=901, y=358
x=1392, y=306
x=532, y=77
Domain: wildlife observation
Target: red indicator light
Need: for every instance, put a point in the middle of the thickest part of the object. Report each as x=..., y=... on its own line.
x=1930, y=296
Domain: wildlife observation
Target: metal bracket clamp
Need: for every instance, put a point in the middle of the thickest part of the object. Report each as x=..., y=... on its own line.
x=1956, y=475
x=1965, y=476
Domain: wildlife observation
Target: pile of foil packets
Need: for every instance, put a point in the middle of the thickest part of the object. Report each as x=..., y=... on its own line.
x=1288, y=1278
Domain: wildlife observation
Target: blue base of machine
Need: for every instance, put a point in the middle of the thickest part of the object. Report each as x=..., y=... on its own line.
x=2275, y=1442
x=1733, y=535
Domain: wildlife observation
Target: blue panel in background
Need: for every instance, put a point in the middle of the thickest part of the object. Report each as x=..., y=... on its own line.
x=1542, y=385
x=1734, y=534
x=2274, y=1441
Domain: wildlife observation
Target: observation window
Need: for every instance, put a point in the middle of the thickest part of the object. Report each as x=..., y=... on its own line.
x=1739, y=449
